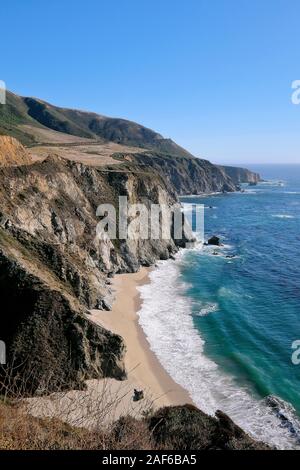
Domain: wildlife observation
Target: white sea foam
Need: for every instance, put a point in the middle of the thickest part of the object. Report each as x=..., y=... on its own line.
x=245, y=192
x=200, y=195
x=273, y=183
x=207, y=309
x=166, y=318
x=226, y=246
x=283, y=216
x=225, y=251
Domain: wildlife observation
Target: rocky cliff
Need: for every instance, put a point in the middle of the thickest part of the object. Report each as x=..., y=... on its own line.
x=241, y=175
x=187, y=175
x=54, y=264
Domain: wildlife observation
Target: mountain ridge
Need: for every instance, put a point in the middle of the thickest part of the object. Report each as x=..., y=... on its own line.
x=92, y=125
x=99, y=140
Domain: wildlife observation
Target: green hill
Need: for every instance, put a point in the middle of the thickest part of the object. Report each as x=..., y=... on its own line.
x=20, y=111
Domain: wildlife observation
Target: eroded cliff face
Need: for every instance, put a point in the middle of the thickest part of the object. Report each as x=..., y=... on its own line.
x=55, y=263
x=241, y=175
x=188, y=175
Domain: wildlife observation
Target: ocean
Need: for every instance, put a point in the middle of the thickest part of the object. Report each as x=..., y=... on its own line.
x=223, y=324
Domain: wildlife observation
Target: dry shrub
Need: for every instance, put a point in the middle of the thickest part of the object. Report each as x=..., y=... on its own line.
x=20, y=431
x=76, y=419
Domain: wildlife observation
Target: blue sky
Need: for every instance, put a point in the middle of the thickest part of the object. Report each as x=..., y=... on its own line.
x=214, y=75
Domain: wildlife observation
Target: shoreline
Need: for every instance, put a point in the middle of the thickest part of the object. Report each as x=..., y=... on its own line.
x=106, y=400
x=144, y=370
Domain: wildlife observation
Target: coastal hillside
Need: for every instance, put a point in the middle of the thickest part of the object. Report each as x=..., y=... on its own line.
x=241, y=175
x=99, y=140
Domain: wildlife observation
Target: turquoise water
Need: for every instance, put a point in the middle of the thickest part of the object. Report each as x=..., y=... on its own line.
x=222, y=326
x=251, y=303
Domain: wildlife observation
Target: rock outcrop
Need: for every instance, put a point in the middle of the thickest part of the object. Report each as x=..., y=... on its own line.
x=188, y=428
x=214, y=240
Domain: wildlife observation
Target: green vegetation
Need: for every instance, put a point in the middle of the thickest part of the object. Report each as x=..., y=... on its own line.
x=39, y=114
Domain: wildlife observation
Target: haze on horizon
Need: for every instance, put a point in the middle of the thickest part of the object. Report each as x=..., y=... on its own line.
x=214, y=77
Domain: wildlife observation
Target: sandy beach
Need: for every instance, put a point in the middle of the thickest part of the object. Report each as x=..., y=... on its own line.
x=144, y=370
x=107, y=400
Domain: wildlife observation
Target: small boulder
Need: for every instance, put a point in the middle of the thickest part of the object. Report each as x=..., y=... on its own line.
x=214, y=241
x=138, y=395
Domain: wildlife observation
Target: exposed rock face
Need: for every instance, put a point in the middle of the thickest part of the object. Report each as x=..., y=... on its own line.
x=12, y=152
x=241, y=175
x=50, y=341
x=188, y=428
x=187, y=175
x=54, y=263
